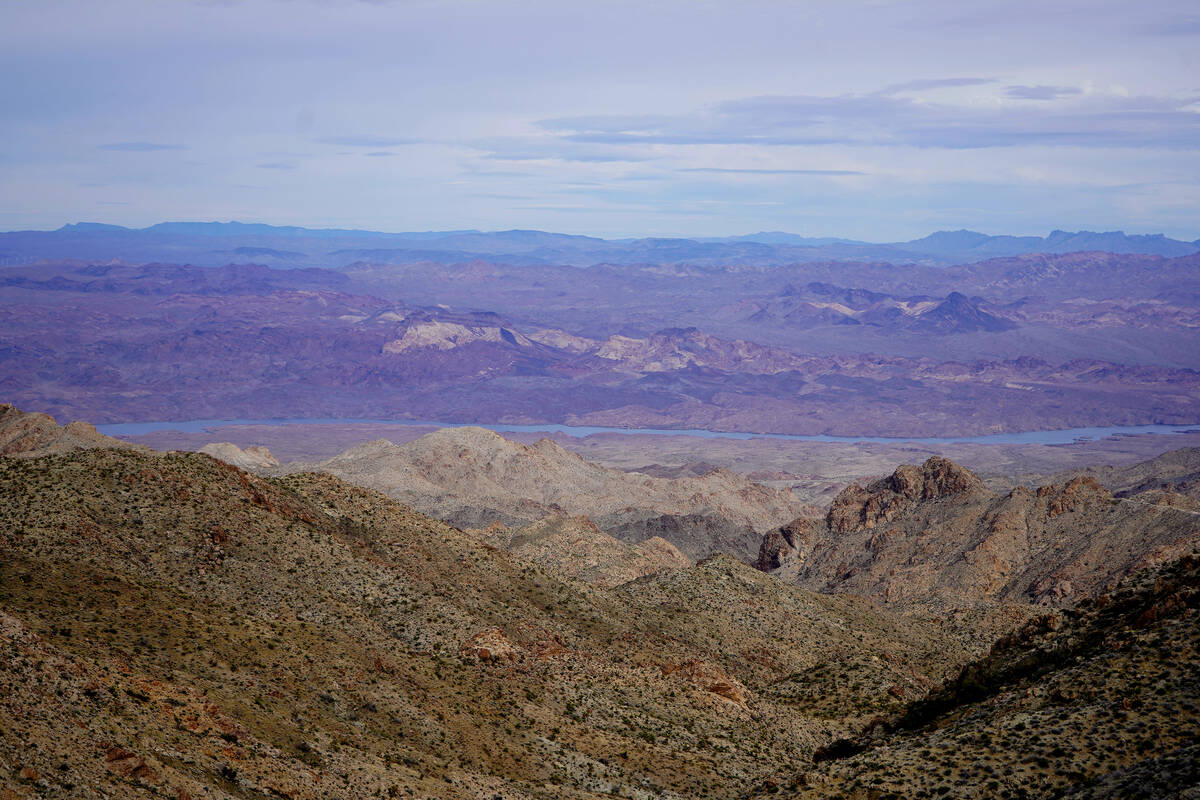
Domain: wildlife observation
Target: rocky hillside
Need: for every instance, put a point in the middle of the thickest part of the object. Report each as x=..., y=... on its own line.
x=25, y=435
x=1172, y=477
x=574, y=547
x=1099, y=701
x=935, y=536
x=173, y=626
x=473, y=477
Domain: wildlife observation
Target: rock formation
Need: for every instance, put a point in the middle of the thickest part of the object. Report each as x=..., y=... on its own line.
x=935, y=536
x=28, y=435
x=254, y=457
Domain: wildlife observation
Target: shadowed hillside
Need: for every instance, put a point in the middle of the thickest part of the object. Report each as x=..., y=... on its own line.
x=1094, y=702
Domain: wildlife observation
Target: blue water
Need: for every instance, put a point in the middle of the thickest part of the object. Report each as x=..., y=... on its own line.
x=1029, y=437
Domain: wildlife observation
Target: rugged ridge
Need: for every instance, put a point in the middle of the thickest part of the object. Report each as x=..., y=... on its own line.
x=172, y=625
x=28, y=435
x=1173, y=473
x=1097, y=701
x=473, y=477
x=935, y=536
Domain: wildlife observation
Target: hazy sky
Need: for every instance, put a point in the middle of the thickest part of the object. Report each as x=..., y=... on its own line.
x=874, y=120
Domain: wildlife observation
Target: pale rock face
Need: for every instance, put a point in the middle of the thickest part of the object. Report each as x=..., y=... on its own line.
x=449, y=335
x=562, y=340
x=253, y=457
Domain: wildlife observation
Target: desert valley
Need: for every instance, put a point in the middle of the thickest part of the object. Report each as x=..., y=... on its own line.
x=875, y=571
x=534, y=400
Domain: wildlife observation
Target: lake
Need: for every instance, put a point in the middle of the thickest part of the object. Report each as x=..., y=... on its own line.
x=1028, y=437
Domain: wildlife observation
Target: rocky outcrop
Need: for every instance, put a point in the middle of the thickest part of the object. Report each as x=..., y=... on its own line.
x=882, y=500
x=710, y=679
x=28, y=435
x=489, y=645
x=791, y=543
x=254, y=457
x=933, y=536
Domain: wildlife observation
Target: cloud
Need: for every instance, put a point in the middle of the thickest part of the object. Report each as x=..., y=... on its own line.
x=538, y=154
x=552, y=147
x=1174, y=26
x=934, y=83
x=731, y=170
x=277, y=165
x=885, y=118
x=379, y=154
x=374, y=142
x=139, y=147
x=1041, y=92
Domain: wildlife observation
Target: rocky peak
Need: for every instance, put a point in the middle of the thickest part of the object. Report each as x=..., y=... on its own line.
x=937, y=477
x=865, y=507
x=1079, y=492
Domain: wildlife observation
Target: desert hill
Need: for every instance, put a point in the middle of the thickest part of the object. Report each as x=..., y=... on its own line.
x=574, y=547
x=935, y=536
x=172, y=625
x=1173, y=473
x=1099, y=701
x=27, y=435
x=473, y=477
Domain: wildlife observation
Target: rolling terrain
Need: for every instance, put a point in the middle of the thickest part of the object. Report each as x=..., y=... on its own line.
x=119, y=343
x=472, y=477
x=172, y=625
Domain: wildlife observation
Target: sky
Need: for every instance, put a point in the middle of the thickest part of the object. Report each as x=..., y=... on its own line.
x=875, y=120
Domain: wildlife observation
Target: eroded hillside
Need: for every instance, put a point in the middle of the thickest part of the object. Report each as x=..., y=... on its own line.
x=172, y=625
x=935, y=537
x=474, y=477
x=1094, y=702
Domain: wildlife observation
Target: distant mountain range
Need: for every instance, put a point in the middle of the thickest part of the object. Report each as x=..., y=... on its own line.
x=218, y=243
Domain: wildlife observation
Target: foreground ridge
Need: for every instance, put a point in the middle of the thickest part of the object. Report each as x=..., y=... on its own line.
x=1096, y=701
x=172, y=625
